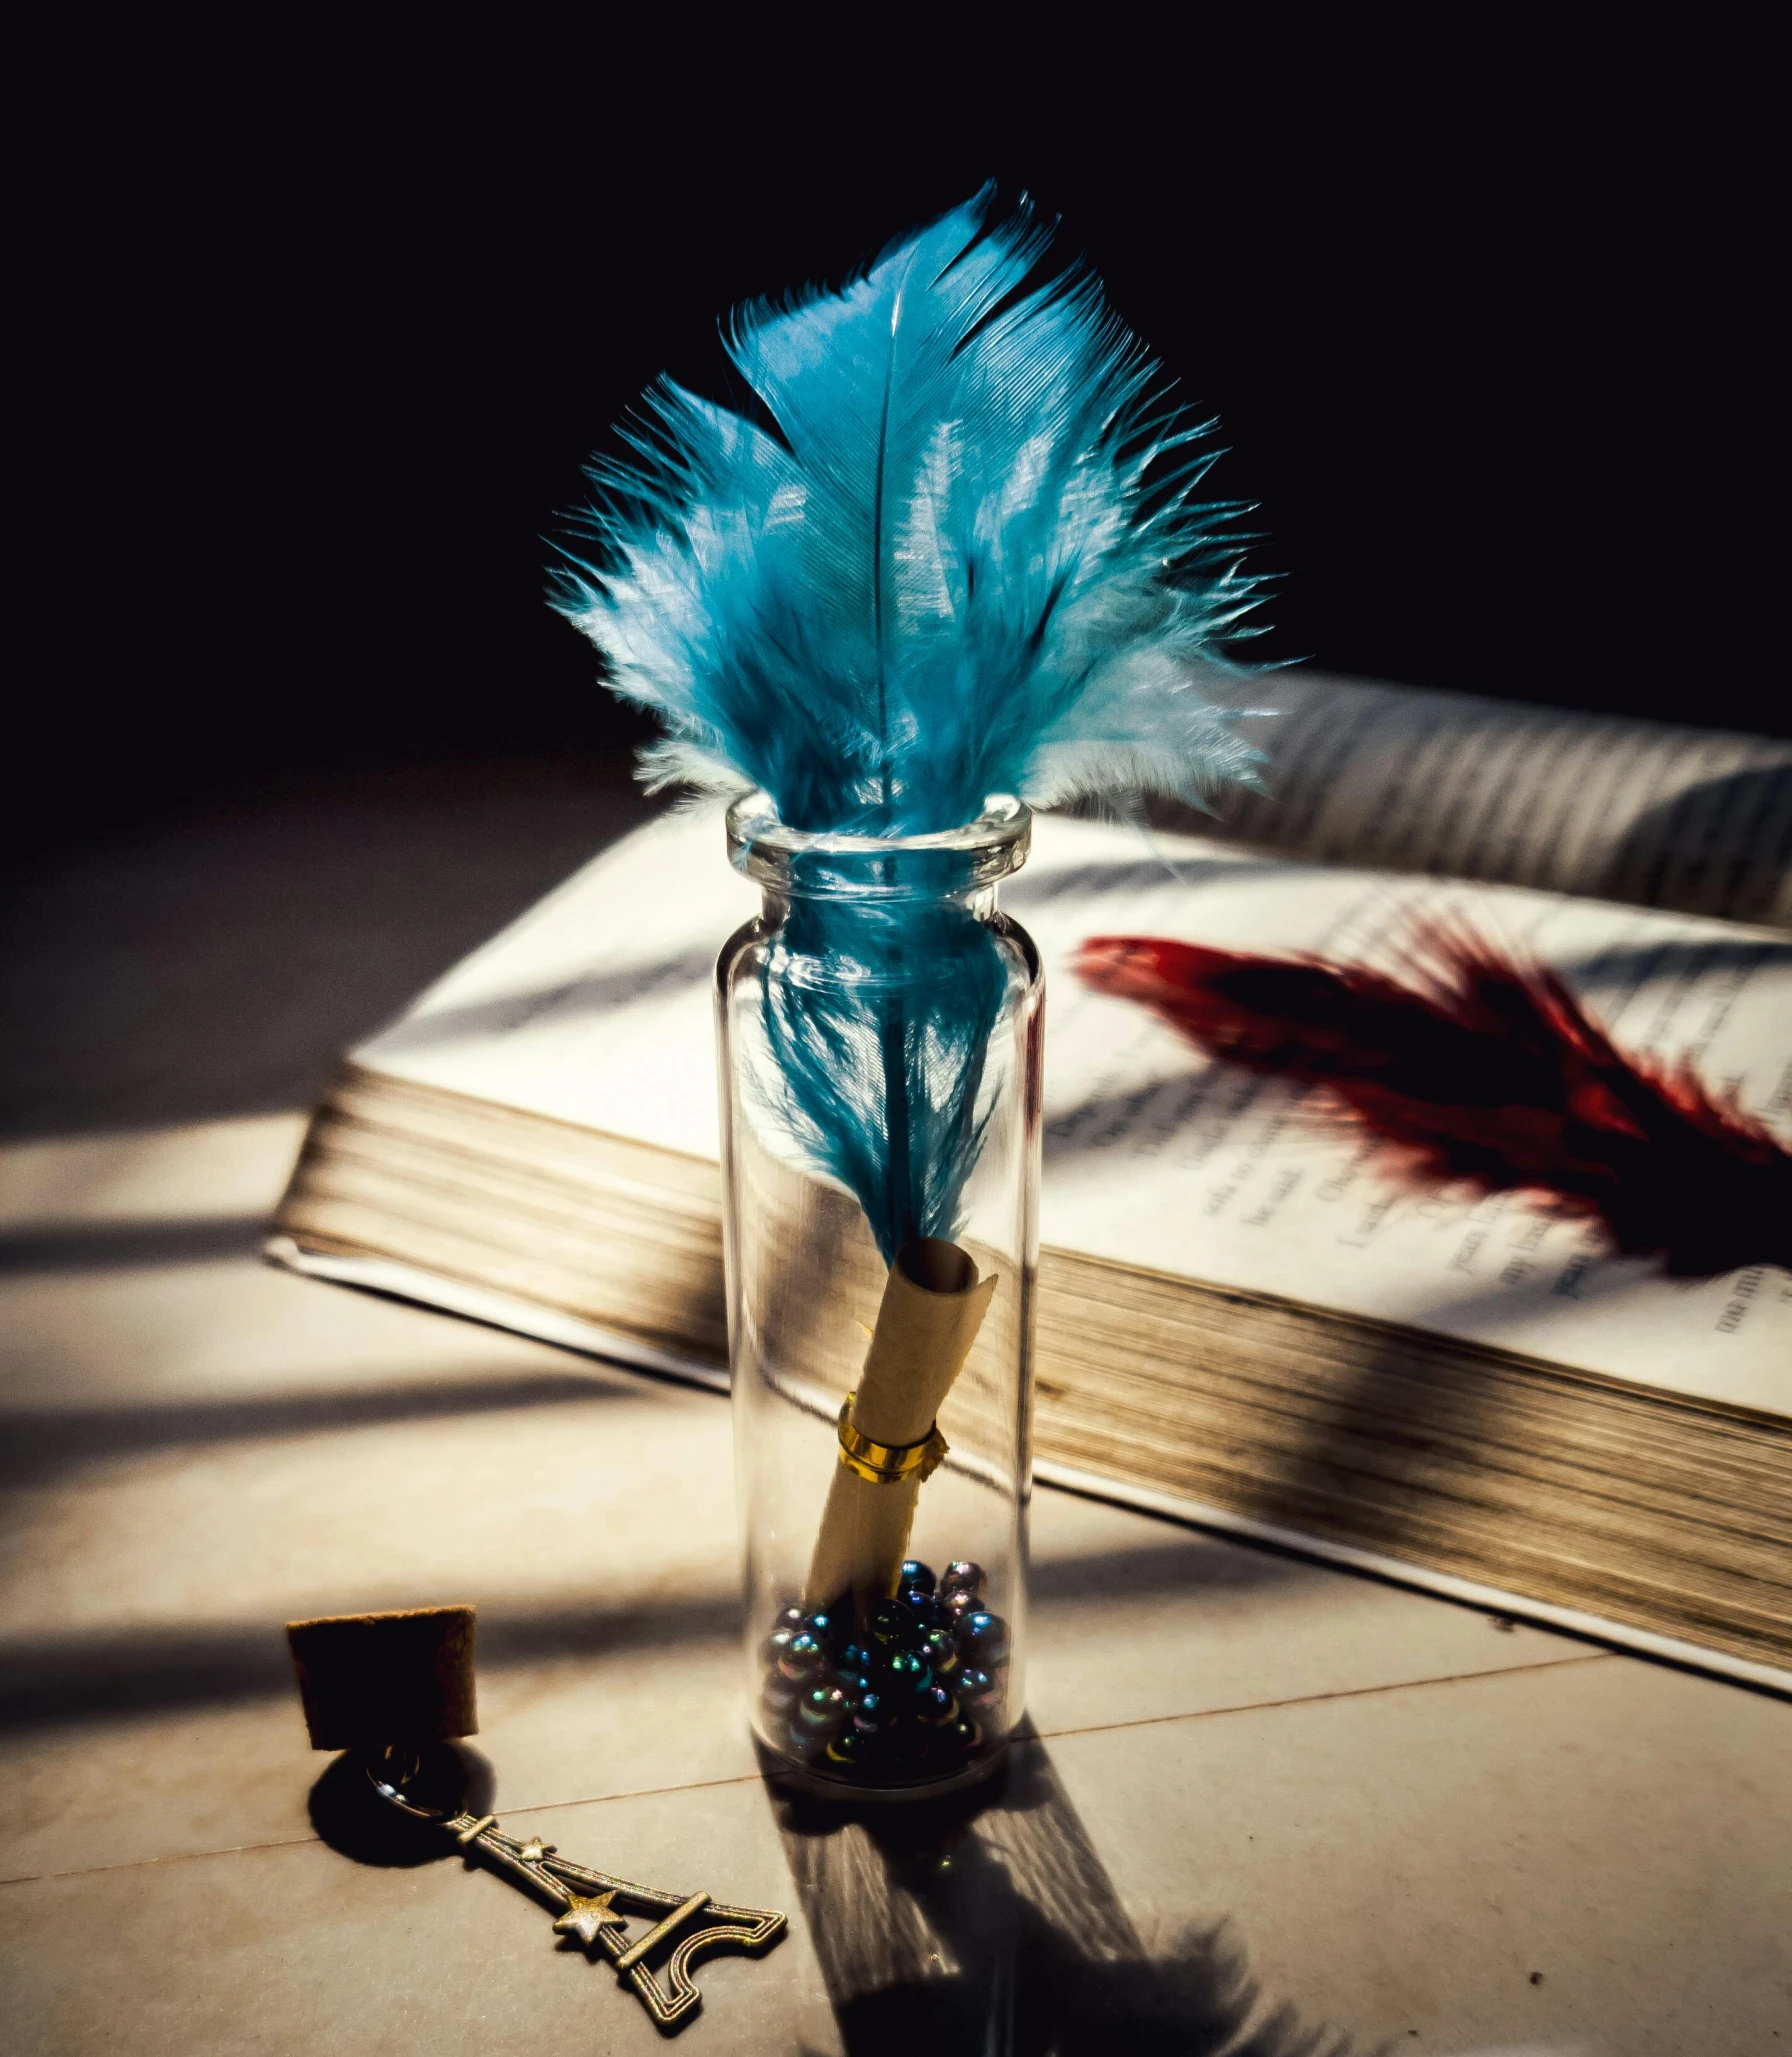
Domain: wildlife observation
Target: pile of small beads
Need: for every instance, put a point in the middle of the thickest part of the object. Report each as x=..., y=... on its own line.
x=902, y=1699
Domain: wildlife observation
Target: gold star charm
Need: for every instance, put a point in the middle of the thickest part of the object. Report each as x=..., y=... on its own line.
x=587, y=1919
x=534, y=1850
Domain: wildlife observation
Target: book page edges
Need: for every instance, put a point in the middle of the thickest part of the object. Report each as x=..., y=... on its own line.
x=698, y=1182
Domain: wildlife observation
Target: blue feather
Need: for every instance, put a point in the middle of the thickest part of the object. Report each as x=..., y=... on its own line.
x=878, y=1052
x=957, y=553
x=963, y=557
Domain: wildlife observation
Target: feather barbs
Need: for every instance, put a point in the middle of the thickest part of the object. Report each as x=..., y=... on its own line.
x=957, y=553
x=1485, y=1068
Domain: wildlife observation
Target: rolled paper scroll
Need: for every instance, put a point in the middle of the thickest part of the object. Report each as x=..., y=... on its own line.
x=932, y=1308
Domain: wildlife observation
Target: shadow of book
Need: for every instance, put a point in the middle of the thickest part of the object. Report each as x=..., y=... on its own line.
x=1722, y=846
x=985, y=1922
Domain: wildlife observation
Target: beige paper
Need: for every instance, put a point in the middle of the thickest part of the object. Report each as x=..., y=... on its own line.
x=932, y=1308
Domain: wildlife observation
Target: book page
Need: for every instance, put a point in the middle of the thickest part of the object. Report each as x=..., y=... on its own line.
x=1397, y=779
x=595, y=1008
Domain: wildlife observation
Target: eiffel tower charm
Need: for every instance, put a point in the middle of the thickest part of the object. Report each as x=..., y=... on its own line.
x=682, y=1926
x=692, y=1925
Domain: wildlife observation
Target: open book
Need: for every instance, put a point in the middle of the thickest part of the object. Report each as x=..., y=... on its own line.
x=1244, y=1318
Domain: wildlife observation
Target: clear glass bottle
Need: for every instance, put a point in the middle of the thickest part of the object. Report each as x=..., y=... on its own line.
x=880, y=1043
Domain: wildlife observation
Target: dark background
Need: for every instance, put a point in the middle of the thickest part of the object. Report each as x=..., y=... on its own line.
x=320, y=338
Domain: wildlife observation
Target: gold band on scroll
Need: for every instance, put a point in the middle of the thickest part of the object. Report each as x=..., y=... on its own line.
x=887, y=1464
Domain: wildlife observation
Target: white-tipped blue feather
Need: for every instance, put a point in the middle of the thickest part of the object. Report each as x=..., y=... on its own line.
x=962, y=558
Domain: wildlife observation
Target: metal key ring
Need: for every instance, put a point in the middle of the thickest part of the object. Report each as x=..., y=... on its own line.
x=394, y=1790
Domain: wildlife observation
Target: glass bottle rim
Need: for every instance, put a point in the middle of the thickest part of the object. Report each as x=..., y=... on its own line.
x=828, y=862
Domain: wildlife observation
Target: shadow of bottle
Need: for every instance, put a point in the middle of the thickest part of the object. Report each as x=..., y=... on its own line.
x=986, y=1923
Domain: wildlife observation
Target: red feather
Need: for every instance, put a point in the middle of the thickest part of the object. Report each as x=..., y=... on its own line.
x=1486, y=1070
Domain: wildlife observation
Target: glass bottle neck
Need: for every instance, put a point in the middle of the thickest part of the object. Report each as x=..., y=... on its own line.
x=778, y=901
x=961, y=865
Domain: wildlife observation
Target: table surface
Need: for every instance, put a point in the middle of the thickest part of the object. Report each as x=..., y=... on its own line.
x=1274, y=1811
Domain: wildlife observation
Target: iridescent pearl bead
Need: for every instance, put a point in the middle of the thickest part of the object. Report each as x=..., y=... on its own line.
x=775, y=1646
x=983, y=1638
x=941, y=1652
x=802, y=1658
x=910, y=1672
x=868, y=1714
x=915, y=1573
x=821, y=1707
x=961, y=1576
x=821, y=1626
x=792, y=1618
x=891, y=1623
x=937, y=1706
x=955, y=1605
x=974, y=1686
x=846, y=1749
